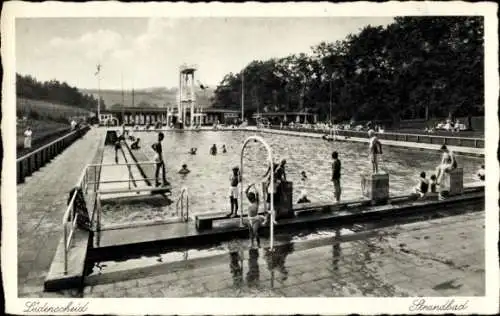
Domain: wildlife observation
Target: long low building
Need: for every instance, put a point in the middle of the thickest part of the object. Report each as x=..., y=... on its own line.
x=144, y=116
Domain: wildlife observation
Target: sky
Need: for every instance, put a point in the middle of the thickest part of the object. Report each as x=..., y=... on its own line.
x=147, y=52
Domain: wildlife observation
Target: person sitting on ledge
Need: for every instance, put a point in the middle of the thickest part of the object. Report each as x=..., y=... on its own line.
x=213, y=150
x=303, y=198
x=433, y=184
x=193, y=150
x=448, y=163
x=135, y=144
x=422, y=186
x=184, y=169
x=480, y=173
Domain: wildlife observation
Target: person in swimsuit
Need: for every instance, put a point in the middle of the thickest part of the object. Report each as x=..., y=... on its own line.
x=193, y=150
x=336, y=171
x=254, y=219
x=433, y=184
x=448, y=163
x=375, y=149
x=135, y=144
x=422, y=186
x=160, y=164
x=224, y=150
x=233, y=192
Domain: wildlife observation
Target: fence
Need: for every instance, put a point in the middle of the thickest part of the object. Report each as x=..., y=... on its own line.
x=417, y=138
x=33, y=161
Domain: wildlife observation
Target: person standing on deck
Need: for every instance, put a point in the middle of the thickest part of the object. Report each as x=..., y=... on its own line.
x=27, y=137
x=233, y=193
x=375, y=149
x=336, y=166
x=118, y=147
x=157, y=147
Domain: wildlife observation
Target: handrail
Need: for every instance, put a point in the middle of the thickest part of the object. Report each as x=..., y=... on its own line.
x=70, y=216
x=181, y=201
x=388, y=133
x=49, y=144
x=271, y=184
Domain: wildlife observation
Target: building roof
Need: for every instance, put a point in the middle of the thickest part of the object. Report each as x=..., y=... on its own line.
x=165, y=109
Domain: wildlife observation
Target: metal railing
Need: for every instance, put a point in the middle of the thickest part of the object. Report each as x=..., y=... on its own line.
x=407, y=137
x=70, y=217
x=180, y=200
x=36, y=159
x=271, y=184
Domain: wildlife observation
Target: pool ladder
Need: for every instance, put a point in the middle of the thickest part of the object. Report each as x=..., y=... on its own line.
x=180, y=201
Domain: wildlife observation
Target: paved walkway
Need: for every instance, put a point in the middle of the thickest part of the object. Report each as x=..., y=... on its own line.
x=442, y=257
x=41, y=204
x=392, y=143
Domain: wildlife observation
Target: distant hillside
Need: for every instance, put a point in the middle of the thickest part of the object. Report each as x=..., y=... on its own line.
x=150, y=97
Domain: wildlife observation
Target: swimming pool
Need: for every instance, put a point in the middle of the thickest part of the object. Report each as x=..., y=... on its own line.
x=208, y=181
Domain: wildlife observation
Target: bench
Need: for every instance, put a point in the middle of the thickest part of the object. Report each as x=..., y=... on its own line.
x=205, y=221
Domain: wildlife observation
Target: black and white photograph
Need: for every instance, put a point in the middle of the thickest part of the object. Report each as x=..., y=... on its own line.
x=282, y=151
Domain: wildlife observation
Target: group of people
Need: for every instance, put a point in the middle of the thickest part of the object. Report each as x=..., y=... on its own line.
x=213, y=149
x=448, y=164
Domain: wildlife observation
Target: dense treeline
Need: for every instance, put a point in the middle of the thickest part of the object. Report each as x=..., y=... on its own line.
x=54, y=91
x=416, y=67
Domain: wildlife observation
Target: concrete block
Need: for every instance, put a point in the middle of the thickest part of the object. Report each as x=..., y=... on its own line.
x=453, y=182
x=375, y=186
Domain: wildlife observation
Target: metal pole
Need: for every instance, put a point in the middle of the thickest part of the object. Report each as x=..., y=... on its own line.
x=242, y=95
x=270, y=159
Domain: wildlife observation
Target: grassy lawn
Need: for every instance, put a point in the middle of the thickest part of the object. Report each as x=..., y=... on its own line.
x=44, y=131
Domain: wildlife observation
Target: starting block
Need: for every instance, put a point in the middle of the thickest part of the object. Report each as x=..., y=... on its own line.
x=452, y=182
x=375, y=187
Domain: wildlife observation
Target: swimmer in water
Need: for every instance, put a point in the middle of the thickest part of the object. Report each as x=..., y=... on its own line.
x=213, y=150
x=184, y=169
x=193, y=150
x=303, y=175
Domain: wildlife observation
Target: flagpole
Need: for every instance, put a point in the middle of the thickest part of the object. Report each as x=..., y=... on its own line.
x=99, y=93
x=242, y=95
x=123, y=101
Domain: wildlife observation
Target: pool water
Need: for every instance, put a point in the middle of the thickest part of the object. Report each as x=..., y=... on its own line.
x=208, y=181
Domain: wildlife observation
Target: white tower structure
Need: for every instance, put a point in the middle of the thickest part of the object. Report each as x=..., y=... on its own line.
x=187, y=95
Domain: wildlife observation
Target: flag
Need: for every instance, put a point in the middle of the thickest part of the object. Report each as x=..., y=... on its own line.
x=98, y=69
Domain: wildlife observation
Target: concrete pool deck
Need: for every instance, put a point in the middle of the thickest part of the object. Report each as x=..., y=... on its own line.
x=427, y=253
